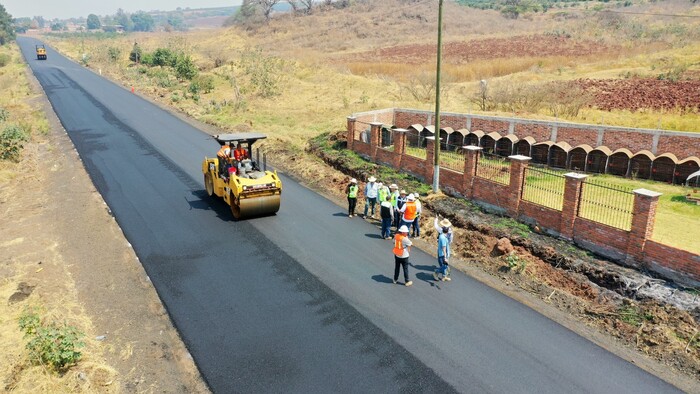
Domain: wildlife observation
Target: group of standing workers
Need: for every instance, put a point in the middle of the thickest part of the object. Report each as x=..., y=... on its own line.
x=402, y=212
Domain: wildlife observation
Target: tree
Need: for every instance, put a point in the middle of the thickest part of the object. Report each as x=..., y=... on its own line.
x=93, y=22
x=302, y=6
x=7, y=31
x=267, y=6
x=41, y=22
x=142, y=21
x=122, y=18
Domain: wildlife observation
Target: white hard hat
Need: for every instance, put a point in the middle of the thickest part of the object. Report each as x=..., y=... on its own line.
x=353, y=180
x=393, y=186
x=403, y=229
x=411, y=197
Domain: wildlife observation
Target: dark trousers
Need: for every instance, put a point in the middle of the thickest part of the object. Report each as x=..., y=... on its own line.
x=398, y=263
x=386, y=227
x=370, y=201
x=397, y=218
x=416, y=227
x=352, y=202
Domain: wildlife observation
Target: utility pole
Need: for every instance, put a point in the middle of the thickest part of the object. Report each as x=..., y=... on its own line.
x=436, y=155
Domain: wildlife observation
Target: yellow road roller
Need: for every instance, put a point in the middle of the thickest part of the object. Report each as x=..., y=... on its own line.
x=40, y=52
x=236, y=177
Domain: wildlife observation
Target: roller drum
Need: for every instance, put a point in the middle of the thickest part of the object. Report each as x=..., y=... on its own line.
x=256, y=206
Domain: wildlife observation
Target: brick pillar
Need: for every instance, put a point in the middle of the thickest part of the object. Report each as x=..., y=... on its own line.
x=518, y=164
x=374, y=136
x=572, y=195
x=351, y=131
x=643, y=217
x=429, y=158
x=399, y=146
x=470, y=160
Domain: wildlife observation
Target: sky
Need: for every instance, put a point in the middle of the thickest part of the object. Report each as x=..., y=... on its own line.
x=64, y=9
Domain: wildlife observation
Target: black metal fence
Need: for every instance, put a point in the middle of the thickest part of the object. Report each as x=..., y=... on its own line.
x=493, y=168
x=607, y=204
x=544, y=187
x=452, y=157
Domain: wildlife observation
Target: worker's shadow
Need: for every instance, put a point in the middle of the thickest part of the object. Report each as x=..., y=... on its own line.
x=372, y=235
x=430, y=268
x=382, y=279
x=428, y=278
x=340, y=214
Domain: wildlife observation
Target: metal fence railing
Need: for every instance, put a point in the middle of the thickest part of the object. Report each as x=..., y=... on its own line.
x=452, y=157
x=606, y=204
x=493, y=168
x=415, y=145
x=544, y=187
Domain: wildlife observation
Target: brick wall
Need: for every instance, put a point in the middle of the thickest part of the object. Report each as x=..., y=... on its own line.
x=675, y=263
x=451, y=181
x=385, y=157
x=362, y=148
x=616, y=139
x=575, y=136
x=490, y=125
x=490, y=192
x=607, y=241
x=545, y=217
x=405, y=119
x=540, y=132
x=681, y=146
x=413, y=166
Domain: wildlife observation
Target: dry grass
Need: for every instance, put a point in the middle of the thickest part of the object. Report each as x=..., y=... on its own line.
x=55, y=293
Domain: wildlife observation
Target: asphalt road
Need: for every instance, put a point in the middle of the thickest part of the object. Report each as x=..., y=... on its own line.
x=302, y=301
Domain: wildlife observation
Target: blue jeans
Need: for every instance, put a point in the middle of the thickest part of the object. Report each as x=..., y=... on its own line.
x=370, y=201
x=407, y=224
x=416, y=227
x=442, y=269
x=386, y=227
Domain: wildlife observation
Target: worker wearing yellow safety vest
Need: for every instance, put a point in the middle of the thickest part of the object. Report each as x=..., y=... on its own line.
x=352, y=197
x=402, y=246
x=394, y=203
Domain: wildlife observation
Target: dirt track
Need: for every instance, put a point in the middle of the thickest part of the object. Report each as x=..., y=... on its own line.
x=643, y=93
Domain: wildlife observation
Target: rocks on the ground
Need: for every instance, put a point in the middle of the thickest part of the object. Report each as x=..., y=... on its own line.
x=502, y=247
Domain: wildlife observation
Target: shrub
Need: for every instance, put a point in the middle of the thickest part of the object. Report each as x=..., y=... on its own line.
x=136, y=54
x=4, y=114
x=202, y=83
x=53, y=345
x=164, y=57
x=185, y=68
x=12, y=141
x=114, y=53
x=4, y=59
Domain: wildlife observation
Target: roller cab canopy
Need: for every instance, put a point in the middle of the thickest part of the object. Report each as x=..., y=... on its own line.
x=250, y=138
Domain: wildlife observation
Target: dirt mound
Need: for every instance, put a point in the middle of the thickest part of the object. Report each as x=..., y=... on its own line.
x=489, y=48
x=638, y=93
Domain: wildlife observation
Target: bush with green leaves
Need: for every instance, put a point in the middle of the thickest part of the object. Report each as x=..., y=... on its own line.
x=4, y=114
x=185, y=68
x=136, y=54
x=202, y=83
x=50, y=344
x=164, y=57
x=12, y=141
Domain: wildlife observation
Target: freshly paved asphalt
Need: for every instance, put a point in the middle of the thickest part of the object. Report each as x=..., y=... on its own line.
x=302, y=301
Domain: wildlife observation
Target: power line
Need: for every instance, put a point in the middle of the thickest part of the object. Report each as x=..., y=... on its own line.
x=651, y=14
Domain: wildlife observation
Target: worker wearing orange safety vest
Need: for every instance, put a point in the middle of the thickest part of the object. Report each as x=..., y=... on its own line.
x=402, y=246
x=410, y=211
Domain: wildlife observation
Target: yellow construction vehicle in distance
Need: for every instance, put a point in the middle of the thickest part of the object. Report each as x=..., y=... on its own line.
x=40, y=52
x=238, y=179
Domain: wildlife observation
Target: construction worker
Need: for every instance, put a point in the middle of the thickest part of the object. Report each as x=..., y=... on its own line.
x=394, y=193
x=352, y=197
x=409, y=211
x=224, y=155
x=240, y=153
x=386, y=211
x=443, y=253
x=370, y=195
x=402, y=247
x=416, y=222
x=399, y=204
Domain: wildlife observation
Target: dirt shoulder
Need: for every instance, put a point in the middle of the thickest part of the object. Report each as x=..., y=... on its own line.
x=65, y=253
